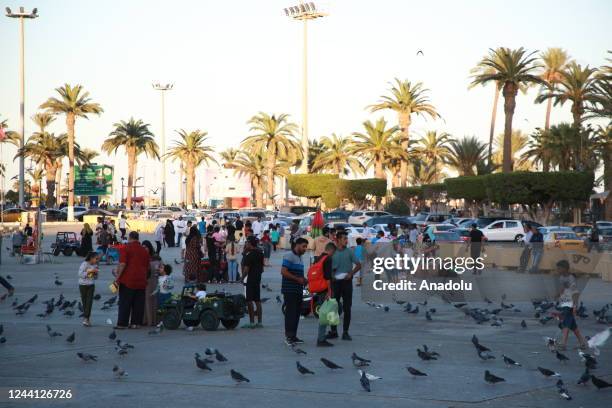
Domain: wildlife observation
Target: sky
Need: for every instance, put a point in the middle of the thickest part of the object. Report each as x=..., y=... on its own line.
x=230, y=59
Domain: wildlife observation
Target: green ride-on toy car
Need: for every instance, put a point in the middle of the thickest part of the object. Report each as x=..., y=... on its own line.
x=216, y=308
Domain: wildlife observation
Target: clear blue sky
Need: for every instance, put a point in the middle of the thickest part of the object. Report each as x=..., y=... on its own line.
x=230, y=59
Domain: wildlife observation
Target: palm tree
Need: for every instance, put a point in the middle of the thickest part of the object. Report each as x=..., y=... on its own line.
x=465, y=155
x=378, y=146
x=405, y=99
x=601, y=102
x=136, y=138
x=229, y=156
x=519, y=143
x=275, y=136
x=577, y=84
x=74, y=102
x=44, y=149
x=335, y=157
x=421, y=173
x=315, y=148
x=192, y=151
x=433, y=149
x=10, y=136
x=86, y=157
x=555, y=61
x=513, y=68
x=253, y=166
x=538, y=149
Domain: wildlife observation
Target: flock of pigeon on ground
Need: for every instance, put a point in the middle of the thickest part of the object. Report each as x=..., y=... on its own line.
x=479, y=315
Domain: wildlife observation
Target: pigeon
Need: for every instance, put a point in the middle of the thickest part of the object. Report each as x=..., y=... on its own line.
x=1, y=329
x=97, y=296
x=523, y=324
x=561, y=357
x=330, y=364
x=87, y=357
x=510, y=361
x=408, y=307
x=32, y=299
x=52, y=333
x=264, y=299
x=425, y=356
x=9, y=277
x=551, y=344
x=414, y=311
x=157, y=330
x=3, y=297
x=491, y=378
x=359, y=361
x=220, y=357
x=58, y=282
x=201, y=364
x=598, y=340
x=303, y=370
x=69, y=313
x=209, y=351
x=122, y=345
x=110, y=301
x=584, y=378
x=121, y=352
x=589, y=361
x=428, y=316
x=365, y=383
x=485, y=356
x=2, y=340
x=119, y=372
x=420, y=52
x=599, y=383
x=297, y=350
x=548, y=373
x=459, y=305
x=479, y=347
x=415, y=372
x=432, y=353
x=563, y=393
x=236, y=376
x=369, y=376
x=278, y=300
x=113, y=335
x=70, y=339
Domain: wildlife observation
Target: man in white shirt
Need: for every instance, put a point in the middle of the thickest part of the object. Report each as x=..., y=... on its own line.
x=179, y=229
x=257, y=227
x=526, y=254
x=413, y=234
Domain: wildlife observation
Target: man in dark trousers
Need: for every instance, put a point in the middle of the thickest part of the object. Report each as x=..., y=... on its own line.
x=131, y=275
x=252, y=268
x=292, y=287
x=344, y=264
x=475, y=242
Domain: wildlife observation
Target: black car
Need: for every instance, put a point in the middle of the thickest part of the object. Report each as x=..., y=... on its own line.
x=337, y=216
x=388, y=219
x=55, y=215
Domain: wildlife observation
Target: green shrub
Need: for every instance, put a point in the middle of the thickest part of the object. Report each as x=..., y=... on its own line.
x=310, y=185
x=398, y=206
x=468, y=188
x=408, y=193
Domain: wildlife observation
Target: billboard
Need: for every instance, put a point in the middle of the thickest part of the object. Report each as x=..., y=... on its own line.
x=93, y=180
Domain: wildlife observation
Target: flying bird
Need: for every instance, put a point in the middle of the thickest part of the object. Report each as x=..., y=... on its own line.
x=303, y=370
x=330, y=364
x=415, y=372
x=491, y=378
x=365, y=383
x=420, y=52
x=598, y=340
x=239, y=378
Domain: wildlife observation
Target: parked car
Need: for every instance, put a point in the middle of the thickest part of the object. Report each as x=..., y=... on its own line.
x=425, y=218
x=388, y=219
x=338, y=225
x=253, y=215
x=482, y=222
x=565, y=240
x=605, y=238
x=12, y=214
x=230, y=215
x=340, y=216
x=504, y=230
x=94, y=211
x=359, y=217
x=381, y=227
x=464, y=233
x=551, y=228
x=582, y=230
x=78, y=211
x=457, y=220
x=435, y=228
x=301, y=209
x=173, y=209
x=54, y=215
x=450, y=236
x=604, y=224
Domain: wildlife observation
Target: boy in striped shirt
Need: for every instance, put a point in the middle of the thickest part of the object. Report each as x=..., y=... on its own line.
x=293, y=281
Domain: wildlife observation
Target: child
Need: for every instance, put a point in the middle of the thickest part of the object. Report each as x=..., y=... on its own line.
x=568, y=299
x=88, y=273
x=165, y=284
x=275, y=237
x=359, y=255
x=200, y=292
x=267, y=246
x=231, y=254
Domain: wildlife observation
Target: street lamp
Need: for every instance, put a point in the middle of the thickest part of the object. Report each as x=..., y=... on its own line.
x=21, y=15
x=184, y=192
x=122, y=179
x=163, y=88
x=304, y=11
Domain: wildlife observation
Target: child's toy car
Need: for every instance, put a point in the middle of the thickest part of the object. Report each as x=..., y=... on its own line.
x=216, y=308
x=66, y=243
x=112, y=254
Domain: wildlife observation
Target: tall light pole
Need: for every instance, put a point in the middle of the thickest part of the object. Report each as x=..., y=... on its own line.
x=163, y=88
x=21, y=15
x=304, y=11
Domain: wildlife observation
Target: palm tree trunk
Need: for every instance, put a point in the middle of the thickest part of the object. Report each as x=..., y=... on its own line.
x=510, y=91
x=58, y=182
x=378, y=169
x=50, y=174
x=259, y=192
x=70, y=120
x=270, y=177
x=131, y=153
x=492, y=130
x=607, y=179
x=548, y=111
x=404, y=122
x=190, y=173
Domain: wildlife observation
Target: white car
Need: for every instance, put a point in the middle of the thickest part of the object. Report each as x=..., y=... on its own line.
x=604, y=224
x=359, y=217
x=504, y=230
x=78, y=210
x=381, y=227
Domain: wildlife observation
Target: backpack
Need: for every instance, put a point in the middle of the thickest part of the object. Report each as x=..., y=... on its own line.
x=316, y=279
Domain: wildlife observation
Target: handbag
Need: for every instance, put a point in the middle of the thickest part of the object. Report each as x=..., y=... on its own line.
x=114, y=288
x=328, y=313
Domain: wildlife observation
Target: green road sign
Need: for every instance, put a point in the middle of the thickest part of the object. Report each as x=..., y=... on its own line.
x=93, y=180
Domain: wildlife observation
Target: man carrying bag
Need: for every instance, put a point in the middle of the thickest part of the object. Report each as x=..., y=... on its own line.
x=319, y=284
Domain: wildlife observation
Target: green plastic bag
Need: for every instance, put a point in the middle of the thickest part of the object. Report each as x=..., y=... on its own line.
x=328, y=313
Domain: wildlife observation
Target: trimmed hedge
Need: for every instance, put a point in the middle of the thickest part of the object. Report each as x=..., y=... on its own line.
x=357, y=190
x=433, y=191
x=332, y=190
x=398, y=206
x=407, y=193
x=468, y=187
x=310, y=185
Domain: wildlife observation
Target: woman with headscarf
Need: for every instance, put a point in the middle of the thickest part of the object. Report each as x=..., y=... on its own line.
x=150, y=309
x=193, y=255
x=169, y=233
x=86, y=240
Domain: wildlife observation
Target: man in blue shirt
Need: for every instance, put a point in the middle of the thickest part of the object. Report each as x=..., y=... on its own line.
x=293, y=281
x=202, y=227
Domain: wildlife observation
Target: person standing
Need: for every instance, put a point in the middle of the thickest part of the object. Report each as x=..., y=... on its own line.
x=475, y=242
x=179, y=228
x=252, y=268
x=159, y=237
x=320, y=242
x=193, y=255
x=526, y=253
x=274, y=237
x=321, y=297
x=292, y=287
x=86, y=240
x=104, y=239
x=344, y=266
x=202, y=226
x=88, y=273
x=266, y=242
x=231, y=254
x=257, y=227
x=569, y=297
x=593, y=239
x=150, y=310
x=131, y=276
x=169, y=234
x=123, y=225
x=537, y=248
x=358, y=251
